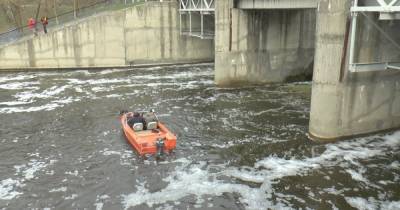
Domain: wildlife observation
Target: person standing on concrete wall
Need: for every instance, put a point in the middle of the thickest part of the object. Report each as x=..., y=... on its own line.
x=32, y=25
x=44, y=23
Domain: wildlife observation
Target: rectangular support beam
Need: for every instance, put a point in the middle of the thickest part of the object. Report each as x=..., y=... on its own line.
x=274, y=4
x=376, y=9
x=198, y=10
x=377, y=6
x=365, y=67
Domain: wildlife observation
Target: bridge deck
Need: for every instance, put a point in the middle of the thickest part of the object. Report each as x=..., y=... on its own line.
x=276, y=4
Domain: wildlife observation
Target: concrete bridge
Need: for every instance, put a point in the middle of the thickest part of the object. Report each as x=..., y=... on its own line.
x=356, y=88
x=350, y=47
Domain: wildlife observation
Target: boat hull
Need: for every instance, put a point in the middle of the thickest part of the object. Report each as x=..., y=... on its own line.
x=144, y=142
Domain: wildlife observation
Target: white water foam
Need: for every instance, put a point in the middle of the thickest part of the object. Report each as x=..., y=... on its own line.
x=173, y=76
x=7, y=189
x=13, y=103
x=30, y=96
x=100, y=201
x=55, y=90
x=112, y=71
x=194, y=181
x=126, y=156
x=73, y=196
x=372, y=204
x=16, y=78
x=74, y=173
x=357, y=176
x=198, y=180
x=18, y=85
x=31, y=90
x=343, y=152
x=107, y=152
x=47, y=107
x=97, y=81
x=31, y=168
x=276, y=110
x=61, y=189
x=99, y=206
x=26, y=172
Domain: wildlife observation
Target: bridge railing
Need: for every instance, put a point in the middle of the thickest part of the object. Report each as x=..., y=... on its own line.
x=197, y=18
x=388, y=10
x=58, y=21
x=197, y=5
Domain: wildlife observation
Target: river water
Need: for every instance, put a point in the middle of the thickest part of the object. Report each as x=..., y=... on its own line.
x=244, y=148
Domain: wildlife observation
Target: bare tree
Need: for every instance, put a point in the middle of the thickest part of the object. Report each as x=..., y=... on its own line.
x=17, y=12
x=12, y=9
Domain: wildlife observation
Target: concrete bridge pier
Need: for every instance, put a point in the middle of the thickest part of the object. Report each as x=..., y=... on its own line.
x=346, y=103
x=255, y=46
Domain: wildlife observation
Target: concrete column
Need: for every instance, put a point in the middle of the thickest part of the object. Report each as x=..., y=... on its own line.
x=223, y=37
x=326, y=95
x=345, y=104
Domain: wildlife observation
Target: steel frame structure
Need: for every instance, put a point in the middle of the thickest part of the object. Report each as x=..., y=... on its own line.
x=382, y=7
x=274, y=4
x=196, y=7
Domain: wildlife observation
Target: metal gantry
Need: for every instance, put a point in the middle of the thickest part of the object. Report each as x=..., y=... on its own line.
x=276, y=4
x=197, y=5
x=388, y=10
x=197, y=18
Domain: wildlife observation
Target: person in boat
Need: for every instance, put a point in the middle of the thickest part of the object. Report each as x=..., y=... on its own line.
x=151, y=120
x=150, y=116
x=136, y=118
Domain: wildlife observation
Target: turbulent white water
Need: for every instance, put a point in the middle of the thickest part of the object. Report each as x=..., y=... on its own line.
x=197, y=180
x=244, y=148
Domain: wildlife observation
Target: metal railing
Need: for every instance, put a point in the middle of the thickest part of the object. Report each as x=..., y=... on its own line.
x=60, y=20
x=387, y=10
x=196, y=18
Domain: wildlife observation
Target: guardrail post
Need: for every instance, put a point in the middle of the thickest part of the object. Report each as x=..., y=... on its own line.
x=190, y=23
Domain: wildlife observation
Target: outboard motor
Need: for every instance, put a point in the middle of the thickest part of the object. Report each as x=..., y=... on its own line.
x=160, y=148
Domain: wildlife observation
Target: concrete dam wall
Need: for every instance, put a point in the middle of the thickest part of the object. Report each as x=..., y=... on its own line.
x=262, y=46
x=144, y=34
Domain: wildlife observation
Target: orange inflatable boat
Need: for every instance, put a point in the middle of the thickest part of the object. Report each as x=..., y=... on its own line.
x=150, y=137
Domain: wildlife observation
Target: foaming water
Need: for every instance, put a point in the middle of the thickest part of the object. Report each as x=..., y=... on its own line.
x=197, y=179
x=242, y=148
